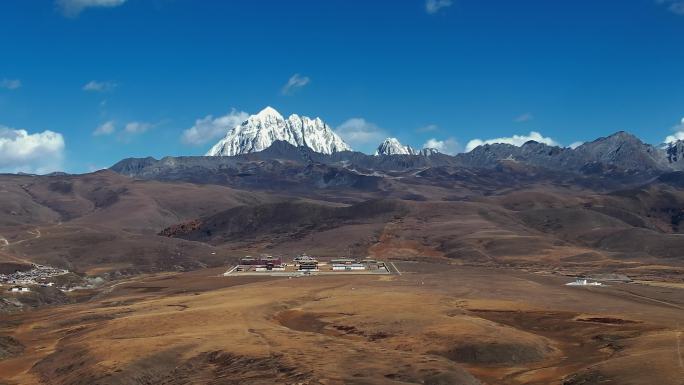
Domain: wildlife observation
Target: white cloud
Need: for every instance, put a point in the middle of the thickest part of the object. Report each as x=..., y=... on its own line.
x=126, y=133
x=574, y=145
x=516, y=140
x=95, y=86
x=295, y=82
x=526, y=117
x=428, y=128
x=10, y=84
x=361, y=134
x=106, y=128
x=433, y=6
x=137, y=127
x=674, y=6
x=678, y=135
x=36, y=153
x=72, y=8
x=675, y=137
x=209, y=128
x=448, y=146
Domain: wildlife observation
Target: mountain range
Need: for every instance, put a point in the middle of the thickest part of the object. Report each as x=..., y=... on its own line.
x=261, y=130
x=619, y=158
x=316, y=141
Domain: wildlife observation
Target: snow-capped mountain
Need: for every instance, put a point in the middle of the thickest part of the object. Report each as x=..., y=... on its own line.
x=392, y=146
x=259, y=131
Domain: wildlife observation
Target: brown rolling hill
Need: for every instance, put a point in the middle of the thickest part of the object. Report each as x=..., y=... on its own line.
x=481, y=256
x=105, y=219
x=440, y=214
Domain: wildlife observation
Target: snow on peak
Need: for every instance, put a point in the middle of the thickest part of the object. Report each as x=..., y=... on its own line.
x=392, y=146
x=269, y=112
x=259, y=131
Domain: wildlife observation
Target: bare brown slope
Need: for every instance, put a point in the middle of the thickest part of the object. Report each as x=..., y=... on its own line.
x=82, y=249
x=637, y=221
x=444, y=214
x=294, y=219
x=9, y=264
x=657, y=206
x=107, y=199
x=108, y=221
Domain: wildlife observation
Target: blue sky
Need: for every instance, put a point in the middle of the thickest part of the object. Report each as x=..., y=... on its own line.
x=94, y=81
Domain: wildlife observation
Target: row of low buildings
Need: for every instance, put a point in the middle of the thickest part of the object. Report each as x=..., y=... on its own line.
x=306, y=263
x=267, y=260
x=346, y=264
x=270, y=263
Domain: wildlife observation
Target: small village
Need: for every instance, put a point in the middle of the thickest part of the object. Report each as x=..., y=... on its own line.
x=303, y=265
x=38, y=275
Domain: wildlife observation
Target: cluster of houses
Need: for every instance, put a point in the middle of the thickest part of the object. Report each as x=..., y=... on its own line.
x=38, y=275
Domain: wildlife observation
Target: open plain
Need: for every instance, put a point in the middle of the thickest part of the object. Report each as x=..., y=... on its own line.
x=433, y=324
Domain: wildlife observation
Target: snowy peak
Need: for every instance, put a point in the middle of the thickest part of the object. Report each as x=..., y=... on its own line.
x=259, y=131
x=392, y=146
x=268, y=112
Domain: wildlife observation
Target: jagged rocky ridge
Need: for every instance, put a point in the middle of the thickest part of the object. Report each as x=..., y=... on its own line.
x=259, y=131
x=392, y=146
x=616, y=161
x=621, y=151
